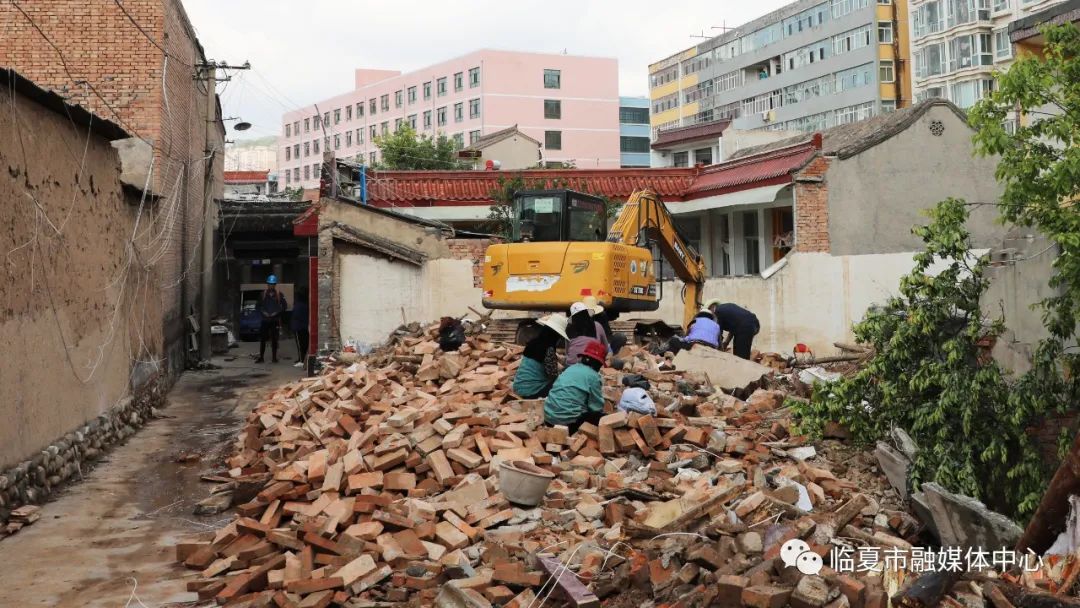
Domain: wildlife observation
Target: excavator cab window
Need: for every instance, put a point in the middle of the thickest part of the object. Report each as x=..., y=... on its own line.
x=558, y=215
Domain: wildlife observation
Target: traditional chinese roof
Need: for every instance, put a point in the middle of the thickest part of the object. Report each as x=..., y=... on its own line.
x=673, y=137
x=246, y=177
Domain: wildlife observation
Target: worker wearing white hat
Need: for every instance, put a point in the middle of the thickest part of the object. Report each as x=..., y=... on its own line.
x=539, y=364
x=583, y=328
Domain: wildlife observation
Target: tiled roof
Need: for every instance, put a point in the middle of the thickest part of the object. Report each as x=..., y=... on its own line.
x=848, y=140
x=764, y=167
x=671, y=137
x=433, y=188
x=246, y=177
x=497, y=136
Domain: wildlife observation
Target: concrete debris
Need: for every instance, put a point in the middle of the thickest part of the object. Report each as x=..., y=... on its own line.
x=812, y=375
x=722, y=368
x=965, y=522
x=379, y=484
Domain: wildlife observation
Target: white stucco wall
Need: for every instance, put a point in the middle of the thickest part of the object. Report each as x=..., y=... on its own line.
x=814, y=298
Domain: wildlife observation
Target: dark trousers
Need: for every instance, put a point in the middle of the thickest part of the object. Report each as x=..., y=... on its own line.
x=588, y=416
x=301, y=344
x=268, y=331
x=617, y=342
x=743, y=340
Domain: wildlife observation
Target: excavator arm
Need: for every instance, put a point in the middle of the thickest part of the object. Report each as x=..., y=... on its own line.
x=644, y=219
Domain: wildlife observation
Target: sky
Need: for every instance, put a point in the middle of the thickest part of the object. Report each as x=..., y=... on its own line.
x=303, y=51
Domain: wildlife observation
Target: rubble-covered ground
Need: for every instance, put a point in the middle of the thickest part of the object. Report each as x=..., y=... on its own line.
x=378, y=483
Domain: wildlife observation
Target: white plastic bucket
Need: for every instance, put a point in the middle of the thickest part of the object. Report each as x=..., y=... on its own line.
x=524, y=483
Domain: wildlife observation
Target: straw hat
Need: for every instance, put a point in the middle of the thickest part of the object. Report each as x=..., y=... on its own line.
x=593, y=305
x=557, y=322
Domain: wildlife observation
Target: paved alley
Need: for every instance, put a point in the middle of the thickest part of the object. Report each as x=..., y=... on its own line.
x=117, y=528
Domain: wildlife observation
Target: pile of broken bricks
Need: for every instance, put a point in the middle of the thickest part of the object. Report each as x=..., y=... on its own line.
x=380, y=486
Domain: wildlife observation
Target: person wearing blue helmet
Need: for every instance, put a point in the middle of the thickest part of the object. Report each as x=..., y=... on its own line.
x=271, y=306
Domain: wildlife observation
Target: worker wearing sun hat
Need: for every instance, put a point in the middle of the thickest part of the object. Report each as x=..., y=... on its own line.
x=582, y=328
x=577, y=396
x=603, y=317
x=539, y=365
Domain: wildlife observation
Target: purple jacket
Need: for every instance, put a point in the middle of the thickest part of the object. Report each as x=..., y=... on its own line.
x=704, y=330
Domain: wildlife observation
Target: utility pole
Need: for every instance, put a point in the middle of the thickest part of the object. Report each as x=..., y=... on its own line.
x=208, y=73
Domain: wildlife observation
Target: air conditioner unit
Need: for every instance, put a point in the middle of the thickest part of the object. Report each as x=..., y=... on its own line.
x=768, y=116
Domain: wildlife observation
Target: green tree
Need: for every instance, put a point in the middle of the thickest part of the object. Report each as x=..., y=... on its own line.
x=405, y=150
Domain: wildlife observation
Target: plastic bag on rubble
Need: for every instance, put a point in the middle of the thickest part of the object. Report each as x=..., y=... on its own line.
x=635, y=399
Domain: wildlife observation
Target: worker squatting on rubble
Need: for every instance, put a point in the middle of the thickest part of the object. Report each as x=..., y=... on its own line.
x=583, y=328
x=703, y=329
x=577, y=396
x=540, y=363
x=271, y=306
x=740, y=324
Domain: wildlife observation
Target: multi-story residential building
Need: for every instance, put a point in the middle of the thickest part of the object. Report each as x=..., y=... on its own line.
x=247, y=156
x=957, y=44
x=566, y=102
x=634, y=131
x=809, y=65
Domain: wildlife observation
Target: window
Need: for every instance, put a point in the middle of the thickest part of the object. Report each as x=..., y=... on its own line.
x=459, y=81
x=751, y=240
x=288, y=130
x=348, y=112
x=296, y=128
x=843, y=7
x=384, y=127
x=474, y=108
x=474, y=136
x=374, y=132
x=307, y=125
x=553, y=140
x=397, y=99
x=851, y=40
x=359, y=136
x=440, y=86
x=928, y=18
x=427, y=119
x=1001, y=5
x=634, y=116
x=337, y=141
x=965, y=94
x=371, y=158
x=459, y=111
x=459, y=140
x=886, y=71
x=665, y=103
x=288, y=152
x=296, y=174
x=316, y=122
x=411, y=91
x=372, y=106
x=359, y=109
x=884, y=1
x=288, y=175
x=412, y=121
x=552, y=108
x=307, y=149
x=307, y=172
x=930, y=60
x=552, y=79
x=703, y=156
x=633, y=144
x=681, y=159
x=427, y=90
x=348, y=139
x=884, y=32
x=664, y=76
x=474, y=77
x=296, y=150
x=337, y=116
x=888, y=105
x=440, y=116
x=397, y=123
x=326, y=119
x=314, y=147
x=316, y=171
x=1002, y=45
x=384, y=102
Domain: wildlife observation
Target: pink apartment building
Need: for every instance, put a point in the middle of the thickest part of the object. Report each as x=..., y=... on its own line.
x=569, y=104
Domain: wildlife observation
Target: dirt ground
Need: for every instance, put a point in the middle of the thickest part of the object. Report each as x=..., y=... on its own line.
x=116, y=529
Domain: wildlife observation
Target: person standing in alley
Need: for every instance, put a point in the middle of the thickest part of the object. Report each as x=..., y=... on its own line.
x=298, y=323
x=740, y=324
x=271, y=306
x=577, y=396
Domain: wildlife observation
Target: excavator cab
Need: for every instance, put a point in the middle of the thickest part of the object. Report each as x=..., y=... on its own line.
x=558, y=254
x=557, y=215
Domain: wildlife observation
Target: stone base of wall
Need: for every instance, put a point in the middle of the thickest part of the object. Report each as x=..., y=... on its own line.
x=68, y=458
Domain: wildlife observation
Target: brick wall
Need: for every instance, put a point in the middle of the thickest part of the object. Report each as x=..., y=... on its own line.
x=113, y=70
x=812, y=208
x=471, y=249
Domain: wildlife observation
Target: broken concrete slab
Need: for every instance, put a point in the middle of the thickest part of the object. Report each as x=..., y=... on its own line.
x=963, y=521
x=895, y=466
x=722, y=368
x=921, y=508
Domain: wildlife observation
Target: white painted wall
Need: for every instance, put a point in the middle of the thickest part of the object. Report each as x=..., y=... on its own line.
x=814, y=298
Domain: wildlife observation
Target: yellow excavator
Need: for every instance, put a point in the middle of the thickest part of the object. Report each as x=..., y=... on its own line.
x=561, y=252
